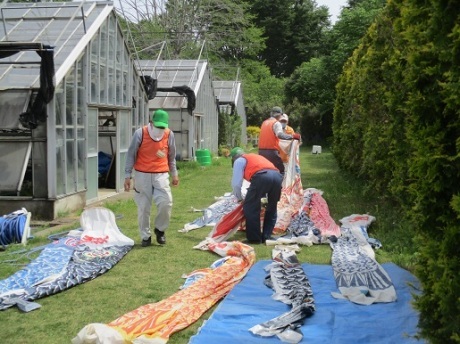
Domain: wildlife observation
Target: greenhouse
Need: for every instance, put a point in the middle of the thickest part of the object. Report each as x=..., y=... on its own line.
x=71, y=97
x=229, y=96
x=184, y=89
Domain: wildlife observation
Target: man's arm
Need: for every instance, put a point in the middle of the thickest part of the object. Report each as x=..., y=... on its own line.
x=237, y=178
x=278, y=130
x=131, y=157
x=132, y=152
x=172, y=158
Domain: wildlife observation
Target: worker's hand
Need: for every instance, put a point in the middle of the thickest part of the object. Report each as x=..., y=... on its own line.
x=296, y=136
x=175, y=180
x=127, y=184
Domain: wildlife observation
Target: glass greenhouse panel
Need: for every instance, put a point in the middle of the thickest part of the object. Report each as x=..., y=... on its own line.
x=12, y=103
x=14, y=157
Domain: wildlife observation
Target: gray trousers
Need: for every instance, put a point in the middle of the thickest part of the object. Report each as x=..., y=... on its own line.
x=148, y=187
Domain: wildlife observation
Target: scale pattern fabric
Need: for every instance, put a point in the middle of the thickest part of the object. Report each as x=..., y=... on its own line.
x=302, y=230
x=292, y=287
x=292, y=193
x=362, y=222
x=71, y=260
x=213, y=213
x=359, y=277
x=155, y=322
x=86, y=264
x=51, y=263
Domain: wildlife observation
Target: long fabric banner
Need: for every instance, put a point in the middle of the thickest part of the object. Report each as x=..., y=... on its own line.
x=69, y=261
x=154, y=323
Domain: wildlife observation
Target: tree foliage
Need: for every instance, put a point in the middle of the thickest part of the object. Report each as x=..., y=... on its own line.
x=313, y=82
x=294, y=32
x=224, y=27
x=229, y=130
x=306, y=93
x=262, y=91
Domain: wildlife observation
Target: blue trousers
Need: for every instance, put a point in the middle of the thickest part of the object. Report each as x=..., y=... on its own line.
x=265, y=183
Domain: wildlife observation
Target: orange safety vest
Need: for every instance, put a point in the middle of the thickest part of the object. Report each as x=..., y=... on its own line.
x=289, y=130
x=267, y=137
x=284, y=156
x=152, y=156
x=255, y=163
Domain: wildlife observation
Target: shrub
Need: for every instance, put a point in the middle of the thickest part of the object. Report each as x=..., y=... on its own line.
x=253, y=131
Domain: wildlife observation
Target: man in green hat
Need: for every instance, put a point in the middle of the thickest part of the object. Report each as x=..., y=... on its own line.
x=265, y=181
x=152, y=155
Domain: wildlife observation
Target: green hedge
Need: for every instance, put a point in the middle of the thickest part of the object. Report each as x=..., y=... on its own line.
x=396, y=124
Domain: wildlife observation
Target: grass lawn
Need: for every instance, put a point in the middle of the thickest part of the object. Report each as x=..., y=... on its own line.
x=147, y=275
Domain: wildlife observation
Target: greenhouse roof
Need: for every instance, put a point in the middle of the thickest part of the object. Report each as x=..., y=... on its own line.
x=171, y=74
x=227, y=91
x=65, y=27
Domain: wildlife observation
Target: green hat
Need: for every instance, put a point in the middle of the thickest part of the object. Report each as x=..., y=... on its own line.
x=236, y=151
x=160, y=118
x=276, y=111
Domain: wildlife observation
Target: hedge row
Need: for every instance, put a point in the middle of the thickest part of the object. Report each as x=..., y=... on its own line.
x=396, y=124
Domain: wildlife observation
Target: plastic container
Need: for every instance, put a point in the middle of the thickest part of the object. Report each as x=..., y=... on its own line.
x=203, y=157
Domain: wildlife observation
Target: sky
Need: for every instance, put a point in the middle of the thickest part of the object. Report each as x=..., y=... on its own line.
x=335, y=7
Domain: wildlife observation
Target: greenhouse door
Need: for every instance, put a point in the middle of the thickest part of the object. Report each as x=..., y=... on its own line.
x=198, y=129
x=92, y=169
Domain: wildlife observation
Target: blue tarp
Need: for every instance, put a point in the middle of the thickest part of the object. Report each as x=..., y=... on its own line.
x=104, y=161
x=334, y=321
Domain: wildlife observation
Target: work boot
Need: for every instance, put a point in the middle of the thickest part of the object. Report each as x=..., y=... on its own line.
x=160, y=236
x=146, y=242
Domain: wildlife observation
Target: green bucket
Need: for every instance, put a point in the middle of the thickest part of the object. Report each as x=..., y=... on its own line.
x=203, y=156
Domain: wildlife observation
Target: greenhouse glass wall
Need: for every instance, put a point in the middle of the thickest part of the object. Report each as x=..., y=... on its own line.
x=71, y=99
